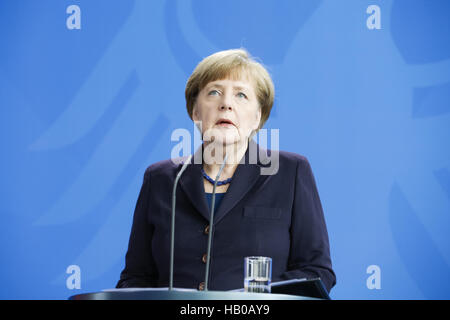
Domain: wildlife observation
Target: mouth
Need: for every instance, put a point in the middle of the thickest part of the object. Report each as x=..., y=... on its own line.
x=225, y=123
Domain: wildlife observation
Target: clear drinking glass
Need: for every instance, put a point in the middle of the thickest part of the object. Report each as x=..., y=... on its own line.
x=257, y=274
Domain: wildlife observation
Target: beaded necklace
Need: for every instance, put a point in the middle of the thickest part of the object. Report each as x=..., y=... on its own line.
x=211, y=180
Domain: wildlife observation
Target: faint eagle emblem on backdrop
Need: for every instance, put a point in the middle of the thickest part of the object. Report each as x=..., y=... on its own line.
x=131, y=68
x=399, y=112
x=393, y=128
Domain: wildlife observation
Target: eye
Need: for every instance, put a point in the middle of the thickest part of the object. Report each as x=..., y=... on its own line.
x=241, y=95
x=213, y=93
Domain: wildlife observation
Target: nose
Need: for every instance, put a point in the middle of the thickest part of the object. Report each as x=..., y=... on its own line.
x=226, y=104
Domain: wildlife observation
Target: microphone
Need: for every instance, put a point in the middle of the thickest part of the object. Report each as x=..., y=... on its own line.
x=172, y=230
x=211, y=221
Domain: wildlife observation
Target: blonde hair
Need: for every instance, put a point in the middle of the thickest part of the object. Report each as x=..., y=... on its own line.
x=233, y=64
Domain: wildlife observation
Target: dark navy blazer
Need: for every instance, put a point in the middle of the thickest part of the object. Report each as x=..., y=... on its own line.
x=278, y=216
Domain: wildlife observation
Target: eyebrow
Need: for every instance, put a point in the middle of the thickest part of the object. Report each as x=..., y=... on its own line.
x=234, y=87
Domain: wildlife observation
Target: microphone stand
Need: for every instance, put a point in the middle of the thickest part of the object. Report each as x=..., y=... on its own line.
x=172, y=230
x=211, y=221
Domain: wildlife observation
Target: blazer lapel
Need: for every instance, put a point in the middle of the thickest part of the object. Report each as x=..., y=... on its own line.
x=246, y=175
x=244, y=178
x=192, y=184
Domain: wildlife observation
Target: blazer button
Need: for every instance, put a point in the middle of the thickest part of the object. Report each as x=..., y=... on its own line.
x=205, y=256
x=201, y=286
x=206, y=231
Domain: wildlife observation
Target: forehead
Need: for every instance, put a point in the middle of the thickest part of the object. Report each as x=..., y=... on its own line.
x=235, y=84
x=225, y=72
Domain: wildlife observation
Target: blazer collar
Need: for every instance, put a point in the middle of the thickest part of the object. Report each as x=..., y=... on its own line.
x=244, y=178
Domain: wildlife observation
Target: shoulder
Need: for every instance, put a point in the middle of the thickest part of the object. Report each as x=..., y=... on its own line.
x=297, y=162
x=289, y=159
x=300, y=163
x=282, y=163
x=163, y=168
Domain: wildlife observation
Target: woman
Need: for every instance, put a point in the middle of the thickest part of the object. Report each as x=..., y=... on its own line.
x=229, y=96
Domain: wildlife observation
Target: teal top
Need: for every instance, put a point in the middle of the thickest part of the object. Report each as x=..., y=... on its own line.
x=219, y=197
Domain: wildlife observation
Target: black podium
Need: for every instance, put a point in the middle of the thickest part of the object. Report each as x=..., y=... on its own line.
x=164, y=294
x=295, y=289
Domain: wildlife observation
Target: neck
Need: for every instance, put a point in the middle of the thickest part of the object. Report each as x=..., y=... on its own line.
x=213, y=156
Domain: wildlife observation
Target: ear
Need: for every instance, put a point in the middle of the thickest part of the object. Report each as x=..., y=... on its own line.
x=258, y=119
x=195, y=113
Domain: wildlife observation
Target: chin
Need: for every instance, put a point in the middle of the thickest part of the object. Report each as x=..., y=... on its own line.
x=217, y=136
x=230, y=139
x=225, y=141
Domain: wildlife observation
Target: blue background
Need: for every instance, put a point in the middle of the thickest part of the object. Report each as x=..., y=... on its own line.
x=84, y=112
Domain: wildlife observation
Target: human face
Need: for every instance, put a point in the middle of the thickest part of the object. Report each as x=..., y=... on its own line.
x=228, y=111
